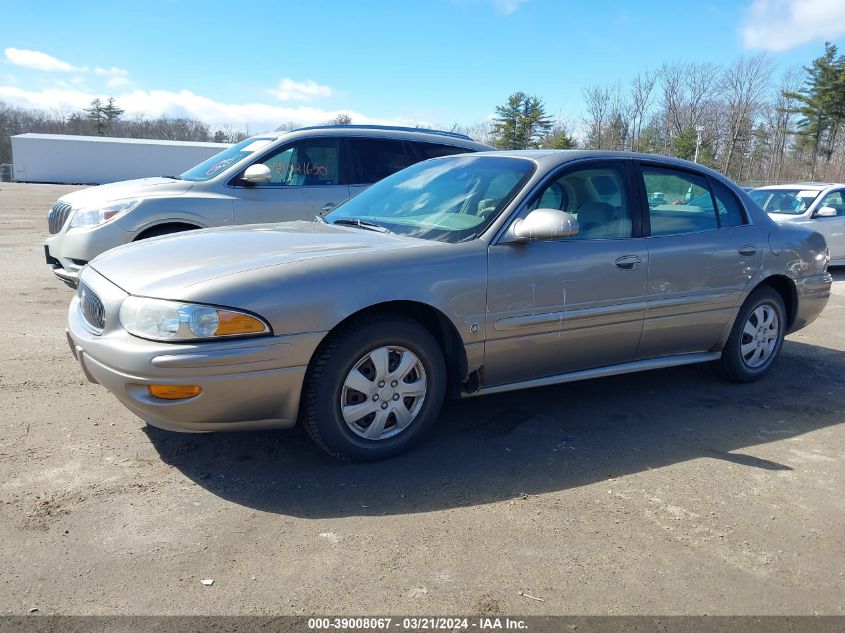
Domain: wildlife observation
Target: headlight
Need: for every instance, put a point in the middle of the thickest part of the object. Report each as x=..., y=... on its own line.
x=161, y=320
x=94, y=217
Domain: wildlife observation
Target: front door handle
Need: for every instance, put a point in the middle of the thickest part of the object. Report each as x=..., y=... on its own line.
x=628, y=262
x=328, y=207
x=747, y=251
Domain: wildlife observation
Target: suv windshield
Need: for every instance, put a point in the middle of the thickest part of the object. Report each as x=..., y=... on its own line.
x=790, y=201
x=446, y=199
x=208, y=169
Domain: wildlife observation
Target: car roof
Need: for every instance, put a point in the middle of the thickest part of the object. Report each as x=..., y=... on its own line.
x=383, y=131
x=805, y=186
x=548, y=158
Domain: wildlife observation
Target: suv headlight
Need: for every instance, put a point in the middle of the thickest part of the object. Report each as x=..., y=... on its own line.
x=88, y=217
x=162, y=320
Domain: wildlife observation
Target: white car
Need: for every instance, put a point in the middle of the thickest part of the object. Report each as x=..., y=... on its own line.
x=272, y=177
x=820, y=206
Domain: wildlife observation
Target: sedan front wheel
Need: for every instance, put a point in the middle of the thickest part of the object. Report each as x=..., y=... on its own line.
x=375, y=388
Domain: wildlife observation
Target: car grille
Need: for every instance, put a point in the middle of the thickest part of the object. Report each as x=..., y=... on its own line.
x=57, y=217
x=92, y=307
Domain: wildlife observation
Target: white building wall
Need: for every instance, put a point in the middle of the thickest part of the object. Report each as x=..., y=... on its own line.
x=58, y=158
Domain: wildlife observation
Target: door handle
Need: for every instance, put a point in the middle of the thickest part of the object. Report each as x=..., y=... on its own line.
x=747, y=251
x=628, y=262
x=328, y=207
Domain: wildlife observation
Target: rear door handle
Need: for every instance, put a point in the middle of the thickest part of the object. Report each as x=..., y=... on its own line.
x=747, y=251
x=628, y=262
x=328, y=207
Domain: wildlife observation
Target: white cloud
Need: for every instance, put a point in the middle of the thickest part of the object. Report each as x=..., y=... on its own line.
x=502, y=7
x=506, y=7
x=118, y=82
x=778, y=25
x=153, y=103
x=290, y=90
x=36, y=60
x=113, y=71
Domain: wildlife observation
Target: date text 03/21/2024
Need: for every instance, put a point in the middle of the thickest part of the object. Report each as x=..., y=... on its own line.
x=417, y=623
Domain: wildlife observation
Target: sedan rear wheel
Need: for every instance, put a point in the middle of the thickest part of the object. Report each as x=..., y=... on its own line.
x=374, y=389
x=756, y=338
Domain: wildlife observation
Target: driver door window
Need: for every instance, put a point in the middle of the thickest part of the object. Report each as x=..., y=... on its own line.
x=312, y=162
x=595, y=196
x=834, y=200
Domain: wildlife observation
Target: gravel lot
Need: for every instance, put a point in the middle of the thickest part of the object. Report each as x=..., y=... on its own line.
x=664, y=492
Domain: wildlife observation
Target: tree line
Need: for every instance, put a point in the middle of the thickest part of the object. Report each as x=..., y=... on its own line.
x=740, y=119
x=105, y=118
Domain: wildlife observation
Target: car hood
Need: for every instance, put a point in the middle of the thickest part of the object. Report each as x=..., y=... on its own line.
x=139, y=188
x=179, y=266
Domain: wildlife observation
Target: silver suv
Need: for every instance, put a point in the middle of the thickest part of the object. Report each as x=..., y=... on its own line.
x=267, y=178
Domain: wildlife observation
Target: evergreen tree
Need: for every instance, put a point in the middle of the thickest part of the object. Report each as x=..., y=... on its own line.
x=97, y=115
x=821, y=104
x=111, y=112
x=521, y=123
x=559, y=138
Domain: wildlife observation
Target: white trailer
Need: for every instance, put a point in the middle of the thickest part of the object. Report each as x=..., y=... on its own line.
x=94, y=160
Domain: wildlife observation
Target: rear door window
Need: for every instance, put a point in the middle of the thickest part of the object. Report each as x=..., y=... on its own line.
x=374, y=159
x=729, y=212
x=678, y=201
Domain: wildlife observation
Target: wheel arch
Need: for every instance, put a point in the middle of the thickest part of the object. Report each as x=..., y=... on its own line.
x=180, y=225
x=787, y=290
x=435, y=321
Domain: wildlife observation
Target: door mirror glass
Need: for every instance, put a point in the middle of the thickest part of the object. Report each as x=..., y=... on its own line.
x=257, y=174
x=826, y=212
x=545, y=224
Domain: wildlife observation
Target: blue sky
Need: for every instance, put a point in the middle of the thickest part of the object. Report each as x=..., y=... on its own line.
x=439, y=61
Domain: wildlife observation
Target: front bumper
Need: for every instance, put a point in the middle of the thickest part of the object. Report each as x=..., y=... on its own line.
x=69, y=250
x=246, y=384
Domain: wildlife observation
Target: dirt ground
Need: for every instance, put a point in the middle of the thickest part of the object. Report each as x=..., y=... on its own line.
x=666, y=492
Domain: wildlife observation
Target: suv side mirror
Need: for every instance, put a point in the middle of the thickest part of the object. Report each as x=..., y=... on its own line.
x=826, y=212
x=257, y=174
x=544, y=224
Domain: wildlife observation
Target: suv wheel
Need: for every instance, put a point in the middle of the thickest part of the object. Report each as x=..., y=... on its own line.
x=375, y=389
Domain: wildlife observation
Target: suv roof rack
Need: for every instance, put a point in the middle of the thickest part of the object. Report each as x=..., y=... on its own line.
x=423, y=130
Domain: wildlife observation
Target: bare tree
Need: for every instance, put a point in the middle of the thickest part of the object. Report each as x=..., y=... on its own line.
x=642, y=98
x=597, y=101
x=743, y=86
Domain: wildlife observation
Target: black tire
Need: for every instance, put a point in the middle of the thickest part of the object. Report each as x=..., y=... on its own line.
x=732, y=365
x=164, y=229
x=321, y=407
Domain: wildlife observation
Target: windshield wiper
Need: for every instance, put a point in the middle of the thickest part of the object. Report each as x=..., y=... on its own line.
x=362, y=224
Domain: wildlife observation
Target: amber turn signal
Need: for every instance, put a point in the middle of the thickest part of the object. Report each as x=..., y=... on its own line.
x=229, y=323
x=174, y=392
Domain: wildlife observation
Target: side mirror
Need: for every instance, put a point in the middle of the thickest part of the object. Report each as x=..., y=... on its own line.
x=257, y=174
x=826, y=212
x=544, y=224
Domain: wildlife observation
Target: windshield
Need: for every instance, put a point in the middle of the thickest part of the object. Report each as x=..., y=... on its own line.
x=446, y=199
x=208, y=169
x=790, y=201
